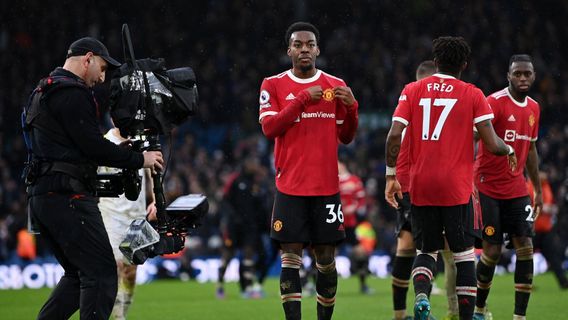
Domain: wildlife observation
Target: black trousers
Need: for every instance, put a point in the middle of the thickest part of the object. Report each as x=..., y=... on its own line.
x=73, y=228
x=549, y=245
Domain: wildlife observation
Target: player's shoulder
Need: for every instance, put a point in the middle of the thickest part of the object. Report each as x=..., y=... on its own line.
x=414, y=85
x=498, y=95
x=468, y=87
x=533, y=103
x=332, y=78
x=276, y=77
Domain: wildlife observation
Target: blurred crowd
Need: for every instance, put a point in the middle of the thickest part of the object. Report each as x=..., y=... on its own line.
x=374, y=45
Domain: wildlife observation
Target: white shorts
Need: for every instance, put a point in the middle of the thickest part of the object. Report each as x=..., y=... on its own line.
x=117, y=220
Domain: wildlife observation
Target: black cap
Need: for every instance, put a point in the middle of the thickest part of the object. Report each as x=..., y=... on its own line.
x=89, y=44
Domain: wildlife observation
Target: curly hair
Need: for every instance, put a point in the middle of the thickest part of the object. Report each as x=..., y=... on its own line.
x=301, y=26
x=450, y=53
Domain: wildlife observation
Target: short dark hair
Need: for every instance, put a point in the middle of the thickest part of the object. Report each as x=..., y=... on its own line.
x=520, y=58
x=450, y=52
x=426, y=68
x=301, y=26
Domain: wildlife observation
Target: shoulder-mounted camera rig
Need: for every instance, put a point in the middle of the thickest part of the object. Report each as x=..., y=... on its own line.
x=147, y=101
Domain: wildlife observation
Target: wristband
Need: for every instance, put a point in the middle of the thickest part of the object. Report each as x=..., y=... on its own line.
x=511, y=151
x=391, y=171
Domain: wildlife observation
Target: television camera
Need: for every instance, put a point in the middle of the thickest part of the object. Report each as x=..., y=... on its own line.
x=148, y=101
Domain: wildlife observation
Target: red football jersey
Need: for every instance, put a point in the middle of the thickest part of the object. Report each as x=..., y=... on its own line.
x=439, y=111
x=306, y=133
x=517, y=124
x=403, y=164
x=352, y=193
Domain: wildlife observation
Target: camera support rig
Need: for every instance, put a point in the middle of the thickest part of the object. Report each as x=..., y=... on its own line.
x=145, y=124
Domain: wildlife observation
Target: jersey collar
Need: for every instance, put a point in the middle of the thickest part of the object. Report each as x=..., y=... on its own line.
x=520, y=104
x=444, y=76
x=300, y=80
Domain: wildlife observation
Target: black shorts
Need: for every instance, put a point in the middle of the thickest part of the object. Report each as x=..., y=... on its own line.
x=431, y=223
x=307, y=219
x=351, y=237
x=241, y=234
x=403, y=215
x=511, y=216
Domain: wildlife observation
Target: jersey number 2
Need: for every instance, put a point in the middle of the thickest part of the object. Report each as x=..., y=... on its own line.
x=426, y=104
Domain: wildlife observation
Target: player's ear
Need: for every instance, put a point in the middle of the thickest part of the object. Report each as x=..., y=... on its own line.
x=288, y=52
x=318, y=52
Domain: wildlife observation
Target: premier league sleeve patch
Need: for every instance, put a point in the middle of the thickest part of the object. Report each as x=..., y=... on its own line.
x=264, y=97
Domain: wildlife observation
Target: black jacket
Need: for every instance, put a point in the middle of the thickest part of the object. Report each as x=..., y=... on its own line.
x=75, y=111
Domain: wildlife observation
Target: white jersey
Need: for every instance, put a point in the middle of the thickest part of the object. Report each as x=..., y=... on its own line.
x=119, y=212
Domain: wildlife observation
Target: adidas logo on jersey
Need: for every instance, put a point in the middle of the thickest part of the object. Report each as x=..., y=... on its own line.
x=290, y=96
x=512, y=118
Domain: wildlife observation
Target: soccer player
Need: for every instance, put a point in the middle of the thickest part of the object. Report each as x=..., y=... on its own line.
x=352, y=194
x=439, y=111
x=117, y=215
x=546, y=239
x=243, y=211
x=405, y=248
x=307, y=112
x=504, y=198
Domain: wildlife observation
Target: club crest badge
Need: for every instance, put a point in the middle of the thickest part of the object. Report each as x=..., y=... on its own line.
x=277, y=225
x=531, y=120
x=328, y=94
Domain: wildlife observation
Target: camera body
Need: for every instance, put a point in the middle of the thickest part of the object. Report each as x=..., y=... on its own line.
x=150, y=99
x=126, y=181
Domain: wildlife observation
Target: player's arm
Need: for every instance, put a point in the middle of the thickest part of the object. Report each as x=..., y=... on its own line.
x=494, y=144
x=475, y=135
x=346, y=130
x=151, y=209
x=532, y=170
x=394, y=141
x=276, y=123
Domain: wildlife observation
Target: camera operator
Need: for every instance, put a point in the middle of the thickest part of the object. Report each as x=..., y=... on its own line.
x=67, y=146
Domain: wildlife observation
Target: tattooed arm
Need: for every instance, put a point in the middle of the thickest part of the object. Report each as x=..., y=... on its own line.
x=394, y=139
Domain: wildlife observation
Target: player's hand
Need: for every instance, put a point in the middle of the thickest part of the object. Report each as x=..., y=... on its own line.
x=512, y=161
x=153, y=160
x=392, y=188
x=537, y=204
x=315, y=92
x=345, y=95
x=151, y=212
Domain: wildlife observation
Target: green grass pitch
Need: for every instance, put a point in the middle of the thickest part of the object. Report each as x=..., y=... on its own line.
x=173, y=299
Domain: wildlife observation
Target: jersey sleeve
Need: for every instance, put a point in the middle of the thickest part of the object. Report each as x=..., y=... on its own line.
x=276, y=119
x=534, y=133
x=481, y=108
x=268, y=104
x=347, y=119
x=402, y=111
